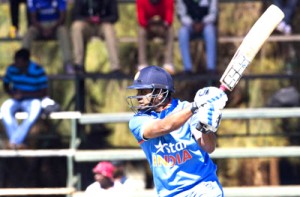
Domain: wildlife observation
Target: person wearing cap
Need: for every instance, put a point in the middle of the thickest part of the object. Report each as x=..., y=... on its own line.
x=176, y=136
x=104, y=180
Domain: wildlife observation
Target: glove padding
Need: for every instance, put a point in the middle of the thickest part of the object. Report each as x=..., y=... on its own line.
x=210, y=95
x=210, y=118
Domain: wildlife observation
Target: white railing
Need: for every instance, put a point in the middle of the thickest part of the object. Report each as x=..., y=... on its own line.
x=36, y=191
x=264, y=191
x=254, y=113
x=74, y=155
x=138, y=154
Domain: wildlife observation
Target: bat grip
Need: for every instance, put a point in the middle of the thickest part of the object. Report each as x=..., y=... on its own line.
x=223, y=87
x=199, y=125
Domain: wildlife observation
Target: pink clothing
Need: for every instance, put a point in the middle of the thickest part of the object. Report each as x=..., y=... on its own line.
x=105, y=168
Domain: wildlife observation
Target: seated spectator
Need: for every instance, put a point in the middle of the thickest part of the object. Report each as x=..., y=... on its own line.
x=155, y=19
x=26, y=83
x=95, y=18
x=288, y=8
x=48, y=22
x=14, y=7
x=122, y=181
x=104, y=181
x=198, y=20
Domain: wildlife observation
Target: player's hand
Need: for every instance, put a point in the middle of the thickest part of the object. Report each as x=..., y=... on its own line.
x=210, y=95
x=209, y=117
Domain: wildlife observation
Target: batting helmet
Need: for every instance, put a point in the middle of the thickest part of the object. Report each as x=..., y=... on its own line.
x=153, y=77
x=156, y=79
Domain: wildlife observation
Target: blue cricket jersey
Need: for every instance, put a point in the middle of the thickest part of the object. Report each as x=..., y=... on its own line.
x=47, y=10
x=177, y=162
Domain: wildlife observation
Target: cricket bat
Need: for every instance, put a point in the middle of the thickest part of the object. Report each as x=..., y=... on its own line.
x=251, y=44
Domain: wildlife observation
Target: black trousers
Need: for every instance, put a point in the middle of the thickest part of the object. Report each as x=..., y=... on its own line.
x=14, y=6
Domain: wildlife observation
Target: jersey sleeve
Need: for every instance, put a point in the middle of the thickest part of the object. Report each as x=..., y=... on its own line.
x=136, y=125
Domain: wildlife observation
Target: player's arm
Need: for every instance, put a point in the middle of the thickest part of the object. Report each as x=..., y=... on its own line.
x=159, y=127
x=209, y=118
x=206, y=141
x=209, y=115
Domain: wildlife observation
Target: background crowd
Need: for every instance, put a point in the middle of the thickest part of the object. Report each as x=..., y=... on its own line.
x=155, y=19
x=47, y=20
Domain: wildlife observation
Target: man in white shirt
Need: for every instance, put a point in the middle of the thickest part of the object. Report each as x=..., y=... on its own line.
x=104, y=181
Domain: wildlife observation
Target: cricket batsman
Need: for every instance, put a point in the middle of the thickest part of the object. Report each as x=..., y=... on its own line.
x=165, y=128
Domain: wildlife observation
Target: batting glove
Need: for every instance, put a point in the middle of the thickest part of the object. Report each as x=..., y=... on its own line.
x=210, y=117
x=209, y=95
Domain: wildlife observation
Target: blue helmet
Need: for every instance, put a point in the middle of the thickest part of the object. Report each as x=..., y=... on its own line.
x=153, y=77
x=156, y=79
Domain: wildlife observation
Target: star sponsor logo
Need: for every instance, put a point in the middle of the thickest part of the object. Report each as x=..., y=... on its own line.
x=169, y=154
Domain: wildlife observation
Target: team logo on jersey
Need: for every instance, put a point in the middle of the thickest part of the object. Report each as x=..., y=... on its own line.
x=169, y=154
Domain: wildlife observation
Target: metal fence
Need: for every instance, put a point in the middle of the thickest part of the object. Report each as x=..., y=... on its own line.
x=74, y=155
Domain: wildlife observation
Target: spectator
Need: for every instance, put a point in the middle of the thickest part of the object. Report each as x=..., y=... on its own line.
x=48, y=22
x=26, y=83
x=198, y=19
x=14, y=6
x=95, y=18
x=288, y=8
x=104, y=181
x=122, y=181
x=155, y=18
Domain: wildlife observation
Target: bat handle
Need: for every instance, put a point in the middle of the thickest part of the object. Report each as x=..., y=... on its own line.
x=223, y=87
x=199, y=125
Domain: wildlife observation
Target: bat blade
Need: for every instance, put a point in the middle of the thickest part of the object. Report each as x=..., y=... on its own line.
x=251, y=44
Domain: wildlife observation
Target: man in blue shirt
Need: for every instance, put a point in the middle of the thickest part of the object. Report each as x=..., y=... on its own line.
x=165, y=128
x=48, y=22
x=26, y=83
